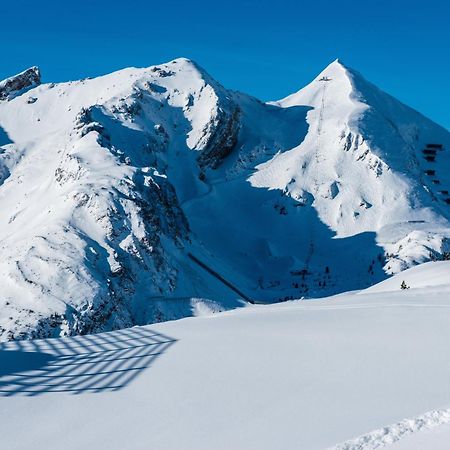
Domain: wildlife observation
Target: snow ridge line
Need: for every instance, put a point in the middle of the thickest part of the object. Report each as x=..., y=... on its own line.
x=393, y=433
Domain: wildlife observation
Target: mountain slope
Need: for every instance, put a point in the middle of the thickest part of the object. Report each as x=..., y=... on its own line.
x=351, y=186
x=363, y=165
x=89, y=217
x=112, y=188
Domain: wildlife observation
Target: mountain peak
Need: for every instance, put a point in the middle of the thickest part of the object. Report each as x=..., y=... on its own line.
x=335, y=70
x=28, y=78
x=183, y=61
x=182, y=64
x=185, y=65
x=338, y=78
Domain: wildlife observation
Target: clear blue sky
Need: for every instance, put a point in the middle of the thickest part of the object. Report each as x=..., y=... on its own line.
x=265, y=48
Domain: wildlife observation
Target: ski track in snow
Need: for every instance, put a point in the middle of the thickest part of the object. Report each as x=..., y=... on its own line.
x=390, y=434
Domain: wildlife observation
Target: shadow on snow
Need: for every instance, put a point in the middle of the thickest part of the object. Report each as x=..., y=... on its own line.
x=92, y=363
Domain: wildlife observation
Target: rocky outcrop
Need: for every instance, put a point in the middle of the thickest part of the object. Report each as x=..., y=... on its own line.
x=28, y=78
x=222, y=140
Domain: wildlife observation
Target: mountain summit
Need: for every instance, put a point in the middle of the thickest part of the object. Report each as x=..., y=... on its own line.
x=152, y=194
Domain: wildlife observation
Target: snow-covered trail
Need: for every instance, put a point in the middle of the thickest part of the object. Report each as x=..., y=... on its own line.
x=299, y=375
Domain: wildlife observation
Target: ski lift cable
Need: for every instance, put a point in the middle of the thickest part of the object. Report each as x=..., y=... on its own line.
x=310, y=249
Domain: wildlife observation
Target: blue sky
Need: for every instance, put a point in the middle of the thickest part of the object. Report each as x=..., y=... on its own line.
x=265, y=48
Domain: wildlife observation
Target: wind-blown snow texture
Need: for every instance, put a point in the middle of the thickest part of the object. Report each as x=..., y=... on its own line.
x=108, y=184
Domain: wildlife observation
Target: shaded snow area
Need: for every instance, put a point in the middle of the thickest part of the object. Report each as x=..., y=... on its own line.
x=153, y=194
x=354, y=371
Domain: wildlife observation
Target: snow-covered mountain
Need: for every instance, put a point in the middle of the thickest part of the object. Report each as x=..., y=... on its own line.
x=151, y=194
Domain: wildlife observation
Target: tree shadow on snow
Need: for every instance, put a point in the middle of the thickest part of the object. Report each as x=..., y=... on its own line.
x=77, y=365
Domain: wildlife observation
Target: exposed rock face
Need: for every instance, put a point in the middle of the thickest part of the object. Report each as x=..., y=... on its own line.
x=28, y=78
x=222, y=139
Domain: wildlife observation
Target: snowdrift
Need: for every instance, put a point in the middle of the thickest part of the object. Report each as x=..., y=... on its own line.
x=428, y=275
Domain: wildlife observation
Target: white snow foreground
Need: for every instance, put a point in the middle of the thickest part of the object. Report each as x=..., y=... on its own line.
x=112, y=189
x=308, y=375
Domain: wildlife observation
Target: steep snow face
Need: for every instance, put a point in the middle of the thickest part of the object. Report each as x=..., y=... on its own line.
x=363, y=165
x=112, y=189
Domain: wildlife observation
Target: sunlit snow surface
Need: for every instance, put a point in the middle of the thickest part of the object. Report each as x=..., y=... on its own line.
x=355, y=371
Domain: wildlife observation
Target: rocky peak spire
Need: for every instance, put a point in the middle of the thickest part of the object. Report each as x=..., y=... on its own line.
x=28, y=78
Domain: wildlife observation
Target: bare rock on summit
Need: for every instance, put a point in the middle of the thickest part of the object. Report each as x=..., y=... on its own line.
x=28, y=78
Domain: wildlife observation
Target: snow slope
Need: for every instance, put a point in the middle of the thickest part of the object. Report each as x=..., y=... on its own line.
x=362, y=166
x=91, y=231
x=347, y=372
x=420, y=277
x=111, y=188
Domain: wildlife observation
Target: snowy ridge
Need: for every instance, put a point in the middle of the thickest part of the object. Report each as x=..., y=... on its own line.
x=434, y=273
x=388, y=435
